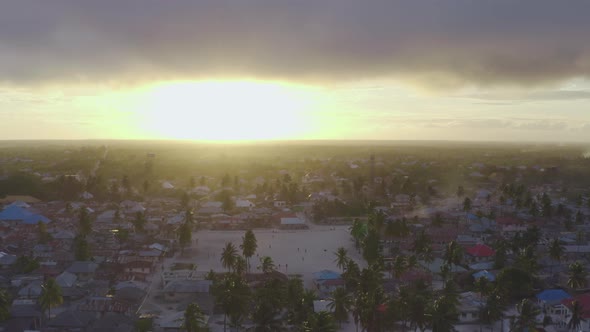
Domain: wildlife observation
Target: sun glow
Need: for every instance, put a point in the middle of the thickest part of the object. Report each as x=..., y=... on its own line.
x=224, y=110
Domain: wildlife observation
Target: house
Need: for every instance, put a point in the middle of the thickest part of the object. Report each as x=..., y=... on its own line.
x=480, y=252
x=24, y=315
x=129, y=292
x=280, y=204
x=484, y=274
x=139, y=268
x=244, y=204
x=435, y=265
x=322, y=305
x=107, y=217
x=550, y=301
x=114, y=322
x=292, y=223
x=167, y=185
x=159, y=247
x=86, y=195
x=31, y=291
x=510, y=225
x=326, y=281
x=131, y=207
x=72, y=321
x=470, y=305
x=201, y=190
x=16, y=215
x=66, y=279
x=174, y=322
x=478, y=266
x=19, y=198
x=180, y=290
x=7, y=260
x=102, y=304
x=565, y=309
x=84, y=270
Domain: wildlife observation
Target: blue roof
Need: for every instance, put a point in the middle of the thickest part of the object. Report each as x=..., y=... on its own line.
x=484, y=274
x=13, y=212
x=35, y=219
x=326, y=275
x=553, y=295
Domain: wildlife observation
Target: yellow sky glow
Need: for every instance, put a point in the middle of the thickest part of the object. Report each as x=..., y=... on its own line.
x=223, y=110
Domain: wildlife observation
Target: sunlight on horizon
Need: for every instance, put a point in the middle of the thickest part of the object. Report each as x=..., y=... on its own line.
x=224, y=110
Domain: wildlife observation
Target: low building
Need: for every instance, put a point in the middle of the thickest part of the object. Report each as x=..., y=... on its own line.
x=292, y=223
x=550, y=301
x=327, y=281
x=181, y=290
x=84, y=270
x=480, y=252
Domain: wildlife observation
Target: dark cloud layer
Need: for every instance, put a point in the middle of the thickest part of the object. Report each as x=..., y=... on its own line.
x=450, y=42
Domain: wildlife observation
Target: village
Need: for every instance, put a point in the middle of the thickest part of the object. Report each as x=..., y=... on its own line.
x=364, y=240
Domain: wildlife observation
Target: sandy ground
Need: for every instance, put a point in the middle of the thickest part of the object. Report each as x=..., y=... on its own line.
x=293, y=252
x=300, y=252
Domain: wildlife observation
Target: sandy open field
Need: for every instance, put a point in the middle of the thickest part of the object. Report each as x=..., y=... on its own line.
x=293, y=252
x=300, y=252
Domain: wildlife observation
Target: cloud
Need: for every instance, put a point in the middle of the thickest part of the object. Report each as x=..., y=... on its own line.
x=503, y=98
x=436, y=43
x=496, y=124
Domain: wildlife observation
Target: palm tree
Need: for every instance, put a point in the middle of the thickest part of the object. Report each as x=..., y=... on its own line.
x=320, y=322
x=493, y=310
x=411, y=262
x=467, y=204
x=269, y=301
x=399, y=265
x=194, y=319
x=351, y=275
x=266, y=264
x=358, y=231
x=232, y=294
x=293, y=298
x=189, y=217
x=418, y=306
x=184, y=235
x=577, y=275
x=228, y=256
x=445, y=273
x=265, y=318
x=341, y=258
x=576, y=320
x=307, y=304
x=422, y=246
x=248, y=246
x=4, y=306
x=340, y=304
x=527, y=316
x=443, y=316
x=240, y=265
x=453, y=253
x=50, y=295
x=481, y=285
x=556, y=250
x=84, y=222
x=139, y=221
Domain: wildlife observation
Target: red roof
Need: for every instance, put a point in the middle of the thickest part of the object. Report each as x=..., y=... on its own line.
x=481, y=250
x=508, y=221
x=584, y=301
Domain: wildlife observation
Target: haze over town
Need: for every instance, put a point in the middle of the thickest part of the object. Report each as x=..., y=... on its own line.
x=296, y=166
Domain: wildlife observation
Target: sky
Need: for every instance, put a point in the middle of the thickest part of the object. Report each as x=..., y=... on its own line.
x=486, y=70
